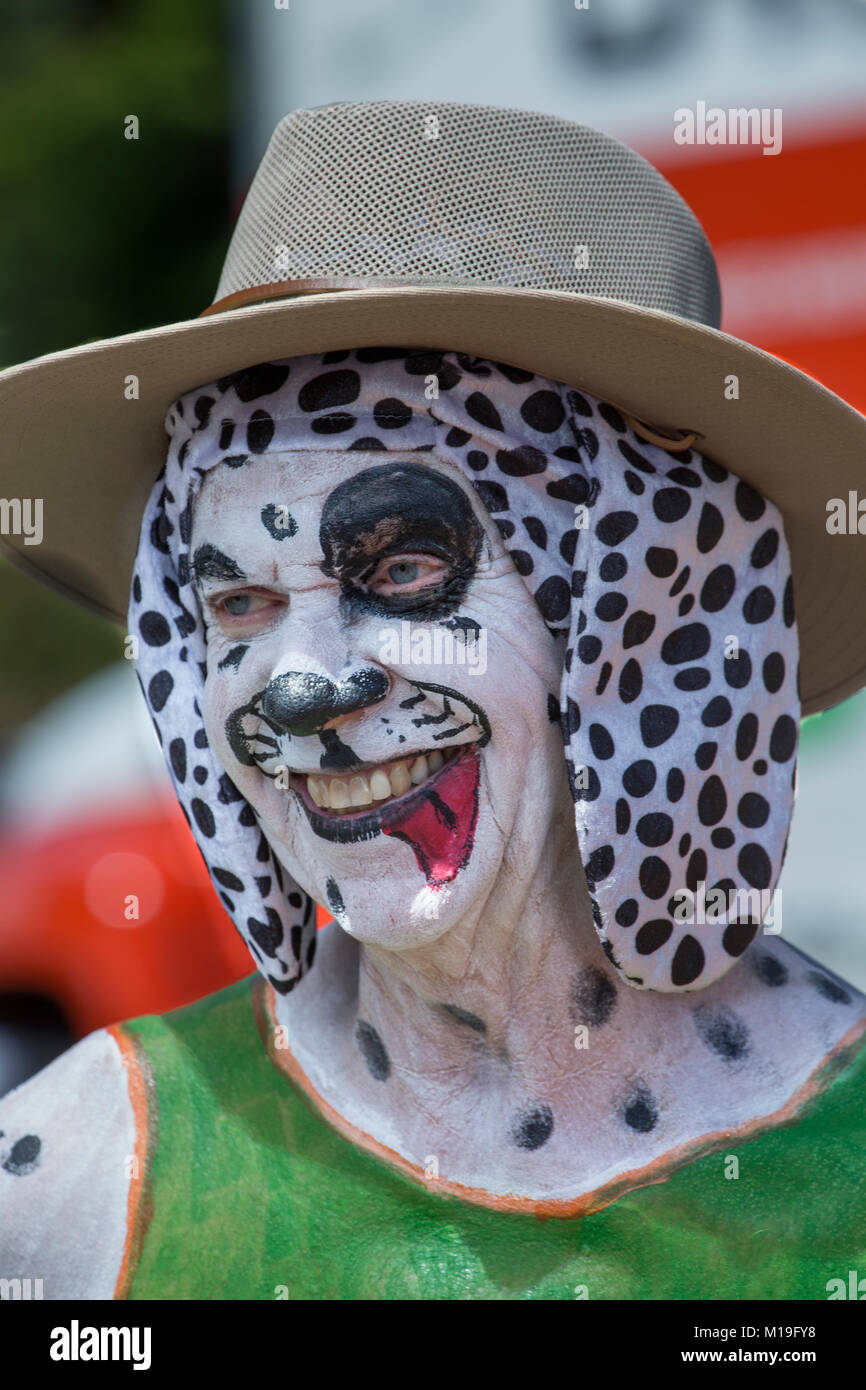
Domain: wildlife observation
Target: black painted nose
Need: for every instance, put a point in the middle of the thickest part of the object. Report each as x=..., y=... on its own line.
x=301, y=702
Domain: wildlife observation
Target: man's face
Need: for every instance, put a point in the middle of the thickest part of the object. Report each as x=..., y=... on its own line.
x=377, y=683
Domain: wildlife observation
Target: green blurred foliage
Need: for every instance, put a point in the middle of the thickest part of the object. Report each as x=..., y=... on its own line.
x=101, y=235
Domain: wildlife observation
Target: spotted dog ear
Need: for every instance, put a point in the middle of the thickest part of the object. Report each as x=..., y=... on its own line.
x=274, y=916
x=680, y=712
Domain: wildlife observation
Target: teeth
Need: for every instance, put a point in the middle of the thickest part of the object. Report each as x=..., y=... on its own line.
x=380, y=787
x=339, y=794
x=359, y=791
x=342, y=794
x=318, y=790
x=400, y=779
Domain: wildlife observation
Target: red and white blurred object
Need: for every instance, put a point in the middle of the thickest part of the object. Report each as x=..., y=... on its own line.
x=789, y=230
x=789, y=233
x=107, y=910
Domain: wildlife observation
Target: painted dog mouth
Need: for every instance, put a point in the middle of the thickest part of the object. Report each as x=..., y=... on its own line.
x=436, y=817
x=356, y=805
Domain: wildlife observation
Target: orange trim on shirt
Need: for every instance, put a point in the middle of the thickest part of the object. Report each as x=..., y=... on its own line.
x=139, y=1206
x=657, y=1171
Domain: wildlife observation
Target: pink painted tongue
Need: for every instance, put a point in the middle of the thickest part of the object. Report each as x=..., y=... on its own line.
x=441, y=827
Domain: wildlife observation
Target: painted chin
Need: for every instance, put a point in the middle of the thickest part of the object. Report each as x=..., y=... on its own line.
x=436, y=818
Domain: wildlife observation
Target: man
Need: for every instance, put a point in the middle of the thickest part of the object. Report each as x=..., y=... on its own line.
x=503, y=1022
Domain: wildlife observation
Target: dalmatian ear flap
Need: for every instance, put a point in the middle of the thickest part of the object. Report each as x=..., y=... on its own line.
x=680, y=713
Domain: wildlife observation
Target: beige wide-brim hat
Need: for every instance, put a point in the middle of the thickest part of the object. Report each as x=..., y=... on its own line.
x=501, y=233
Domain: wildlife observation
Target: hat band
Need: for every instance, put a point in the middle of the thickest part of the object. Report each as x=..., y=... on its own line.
x=289, y=289
x=675, y=443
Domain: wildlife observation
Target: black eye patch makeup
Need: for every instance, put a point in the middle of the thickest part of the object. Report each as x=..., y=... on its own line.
x=210, y=563
x=394, y=508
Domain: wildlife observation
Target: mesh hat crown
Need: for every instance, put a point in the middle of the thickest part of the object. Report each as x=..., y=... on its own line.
x=445, y=193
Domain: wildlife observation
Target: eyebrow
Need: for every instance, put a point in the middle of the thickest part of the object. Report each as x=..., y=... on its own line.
x=210, y=563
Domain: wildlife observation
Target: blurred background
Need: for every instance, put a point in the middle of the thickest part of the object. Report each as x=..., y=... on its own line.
x=101, y=235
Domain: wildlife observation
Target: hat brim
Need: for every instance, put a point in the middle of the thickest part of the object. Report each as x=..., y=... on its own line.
x=72, y=437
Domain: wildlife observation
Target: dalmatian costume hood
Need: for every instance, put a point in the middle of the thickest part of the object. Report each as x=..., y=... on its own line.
x=665, y=580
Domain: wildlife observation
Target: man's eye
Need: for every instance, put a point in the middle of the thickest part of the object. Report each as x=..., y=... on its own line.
x=402, y=574
x=245, y=611
x=237, y=604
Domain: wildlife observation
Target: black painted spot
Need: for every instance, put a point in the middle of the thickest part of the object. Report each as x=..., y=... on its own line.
x=639, y=777
x=696, y=869
x=655, y=829
x=600, y=741
x=260, y=431
x=693, y=678
x=754, y=864
x=638, y=627
x=553, y=598
x=717, y=588
x=640, y=1111
x=759, y=605
x=657, y=724
x=721, y=1030
x=267, y=935
x=688, y=961
x=373, y=1050
x=330, y=389
x=260, y=380
x=154, y=629
x=661, y=562
x=234, y=657
x=827, y=987
x=177, y=756
x=712, y=801
x=610, y=607
x=542, y=411
x=783, y=739
x=738, y=670
x=764, y=550
x=753, y=810
x=773, y=672
x=652, y=935
x=278, y=522
x=599, y=864
x=687, y=643
x=705, y=754
x=671, y=504
x=630, y=681
x=654, y=876
x=750, y=504
x=747, y=736
x=738, y=935
x=613, y=567
x=532, y=1127
x=593, y=997
x=769, y=970
x=469, y=1020
x=615, y=527
x=717, y=712
x=203, y=817
x=159, y=688
x=23, y=1157
x=710, y=528
x=676, y=784
x=335, y=899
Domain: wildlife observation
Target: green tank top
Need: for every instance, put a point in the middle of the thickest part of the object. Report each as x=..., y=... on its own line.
x=249, y=1194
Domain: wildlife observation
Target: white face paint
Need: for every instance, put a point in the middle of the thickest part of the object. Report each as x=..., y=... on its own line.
x=377, y=684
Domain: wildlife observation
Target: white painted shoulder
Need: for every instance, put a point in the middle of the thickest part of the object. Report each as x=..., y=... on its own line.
x=67, y=1144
